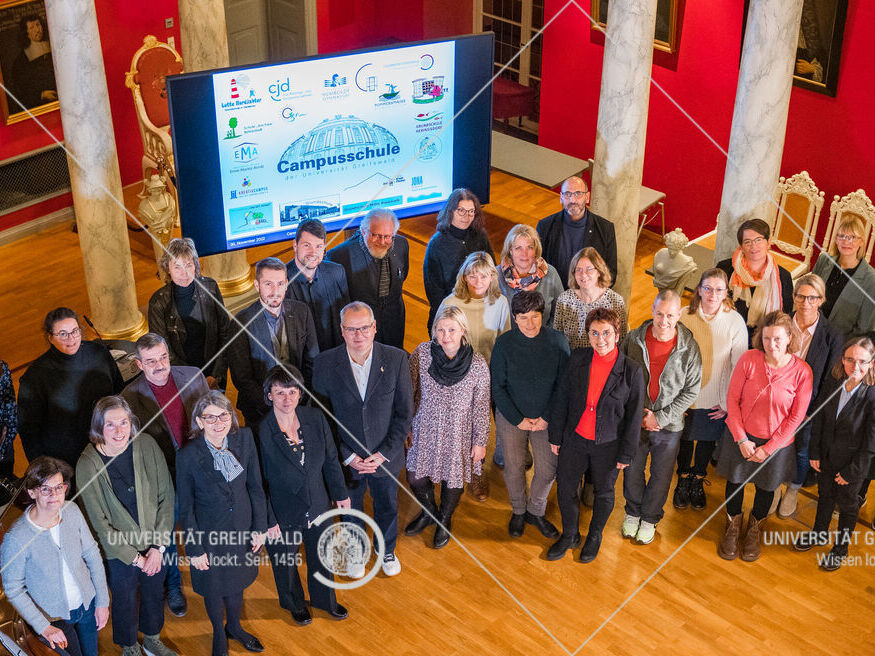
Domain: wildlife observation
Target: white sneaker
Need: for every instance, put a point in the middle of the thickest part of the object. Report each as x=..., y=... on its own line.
x=356, y=571
x=630, y=526
x=391, y=565
x=646, y=533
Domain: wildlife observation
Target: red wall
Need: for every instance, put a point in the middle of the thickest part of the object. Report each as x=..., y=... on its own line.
x=352, y=24
x=122, y=26
x=830, y=137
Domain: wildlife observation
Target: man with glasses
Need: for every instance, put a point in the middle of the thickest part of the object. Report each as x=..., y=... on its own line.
x=57, y=393
x=368, y=388
x=563, y=234
x=162, y=399
x=278, y=330
x=376, y=262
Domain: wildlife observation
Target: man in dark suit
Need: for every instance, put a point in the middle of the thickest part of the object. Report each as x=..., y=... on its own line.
x=376, y=261
x=277, y=329
x=318, y=283
x=162, y=400
x=575, y=227
x=368, y=387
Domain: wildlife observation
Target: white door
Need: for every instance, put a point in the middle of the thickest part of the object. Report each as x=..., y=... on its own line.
x=246, y=23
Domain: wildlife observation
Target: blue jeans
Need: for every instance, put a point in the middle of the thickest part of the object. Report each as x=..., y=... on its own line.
x=171, y=556
x=803, y=437
x=81, y=631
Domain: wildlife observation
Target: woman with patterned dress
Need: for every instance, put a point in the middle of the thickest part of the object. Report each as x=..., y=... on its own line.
x=589, y=287
x=451, y=424
x=8, y=421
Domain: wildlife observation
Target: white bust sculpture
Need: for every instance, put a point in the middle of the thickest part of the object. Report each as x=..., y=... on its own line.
x=158, y=213
x=672, y=268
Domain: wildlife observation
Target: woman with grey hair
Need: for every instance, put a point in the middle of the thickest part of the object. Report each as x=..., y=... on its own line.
x=128, y=496
x=222, y=506
x=189, y=312
x=451, y=424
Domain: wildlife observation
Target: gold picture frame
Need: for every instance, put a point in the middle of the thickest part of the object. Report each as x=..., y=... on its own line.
x=665, y=37
x=26, y=68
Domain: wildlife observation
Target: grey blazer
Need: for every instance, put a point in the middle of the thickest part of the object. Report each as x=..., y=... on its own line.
x=853, y=312
x=32, y=575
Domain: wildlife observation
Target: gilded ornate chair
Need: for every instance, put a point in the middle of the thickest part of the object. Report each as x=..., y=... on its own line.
x=856, y=203
x=151, y=64
x=799, y=205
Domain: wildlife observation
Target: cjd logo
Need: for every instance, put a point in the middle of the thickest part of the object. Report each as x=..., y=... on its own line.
x=246, y=152
x=278, y=88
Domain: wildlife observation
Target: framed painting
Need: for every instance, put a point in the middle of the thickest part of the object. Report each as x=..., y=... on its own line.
x=819, y=48
x=27, y=73
x=665, y=36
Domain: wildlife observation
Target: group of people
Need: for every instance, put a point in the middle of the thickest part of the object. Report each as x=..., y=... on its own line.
x=769, y=377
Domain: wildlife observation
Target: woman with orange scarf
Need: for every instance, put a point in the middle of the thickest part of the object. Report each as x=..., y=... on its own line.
x=757, y=283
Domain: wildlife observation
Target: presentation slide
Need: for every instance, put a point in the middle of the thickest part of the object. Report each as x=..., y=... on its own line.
x=260, y=149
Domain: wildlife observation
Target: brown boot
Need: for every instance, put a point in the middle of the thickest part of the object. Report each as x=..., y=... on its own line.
x=750, y=544
x=479, y=487
x=728, y=547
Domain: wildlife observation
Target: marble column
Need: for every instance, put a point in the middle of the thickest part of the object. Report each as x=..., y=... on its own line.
x=759, y=119
x=622, y=126
x=205, y=46
x=94, y=169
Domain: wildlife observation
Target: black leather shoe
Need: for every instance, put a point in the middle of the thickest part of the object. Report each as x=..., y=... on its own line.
x=563, y=544
x=517, y=525
x=681, y=497
x=339, y=612
x=540, y=522
x=176, y=602
x=421, y=522
x=590, y=548
x=834, y=559
x=301, y=616
x=698, y=500
x=249, y=641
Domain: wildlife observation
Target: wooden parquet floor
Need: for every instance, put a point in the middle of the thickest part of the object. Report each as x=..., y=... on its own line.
x=488, y=593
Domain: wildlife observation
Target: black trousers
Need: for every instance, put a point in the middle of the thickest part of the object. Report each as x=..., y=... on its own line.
x=284, y=558
x=126, y=583
x=829, y=495
x=576, y=456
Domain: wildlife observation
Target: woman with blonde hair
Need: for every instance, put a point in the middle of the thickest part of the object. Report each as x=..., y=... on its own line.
x=850, y=279
x=722, y=338
x=522, y=267
x=589, y=287
x=768, y=397
x=188, y=312
x=451, y=424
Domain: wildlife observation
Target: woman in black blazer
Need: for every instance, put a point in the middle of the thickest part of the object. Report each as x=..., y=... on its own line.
x=222, y=511
x=302, y=474
x=821, y=352
x=594, y=424
x=842, y=446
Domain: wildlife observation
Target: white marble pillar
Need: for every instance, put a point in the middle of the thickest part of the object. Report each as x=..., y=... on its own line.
x=622, y=126
x=94, y=169
x=759, y=119
x=205, y=46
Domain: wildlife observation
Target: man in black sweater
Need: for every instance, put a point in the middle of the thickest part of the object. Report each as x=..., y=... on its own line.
x=575, y=227
x=57, y=393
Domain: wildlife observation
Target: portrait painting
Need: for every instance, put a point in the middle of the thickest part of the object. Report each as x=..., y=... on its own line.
x=665, y=34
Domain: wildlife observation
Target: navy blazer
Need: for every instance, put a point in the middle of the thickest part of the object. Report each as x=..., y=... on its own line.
x=363, y=277
x=252, y=359
x=297, y=493
x=844, y=444
x=325, y=295
x=382, y=421
x=619, y=408
x=191, y=385
x=600, y=234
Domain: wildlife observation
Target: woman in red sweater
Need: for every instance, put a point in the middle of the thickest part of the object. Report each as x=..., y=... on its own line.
x=768, y=396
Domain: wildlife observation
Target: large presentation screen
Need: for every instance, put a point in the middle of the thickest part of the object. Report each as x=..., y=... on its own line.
x=259, y=149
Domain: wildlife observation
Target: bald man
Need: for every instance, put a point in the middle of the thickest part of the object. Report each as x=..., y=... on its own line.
x=575, y=227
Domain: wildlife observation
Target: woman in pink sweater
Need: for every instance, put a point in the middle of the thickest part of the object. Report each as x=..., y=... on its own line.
x=768, y=396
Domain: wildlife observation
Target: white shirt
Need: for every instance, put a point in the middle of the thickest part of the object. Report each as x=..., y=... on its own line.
x=71, y=588
x=845, y=396
x=807, y=336
x=361, y=372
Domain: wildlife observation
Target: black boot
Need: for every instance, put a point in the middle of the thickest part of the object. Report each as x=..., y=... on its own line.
x=590, y=548
x=698, y=501
x=563, y=544
x=450, y=497
x=681, y=498
x=423, y=520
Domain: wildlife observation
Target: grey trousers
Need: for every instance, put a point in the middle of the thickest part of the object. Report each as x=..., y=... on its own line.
x=515, y=447
x=646, y=498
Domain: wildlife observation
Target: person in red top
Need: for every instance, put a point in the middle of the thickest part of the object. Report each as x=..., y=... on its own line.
x=768, y=397
x=162, y=400
x=593, y=425
x=672, y=363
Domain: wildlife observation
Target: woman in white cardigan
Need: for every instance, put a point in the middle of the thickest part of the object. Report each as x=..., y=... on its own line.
x=721, y=334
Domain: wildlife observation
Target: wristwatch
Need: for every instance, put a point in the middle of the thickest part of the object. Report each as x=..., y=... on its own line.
x=162, y=549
